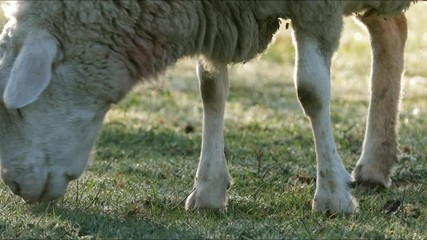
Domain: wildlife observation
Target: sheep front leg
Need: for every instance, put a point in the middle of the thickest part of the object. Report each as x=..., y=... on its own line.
x=212, y=177
x=312, y=80
x=380, y=147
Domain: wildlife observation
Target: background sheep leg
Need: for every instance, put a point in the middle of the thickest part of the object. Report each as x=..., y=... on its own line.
x=380, y=147
x=315, y=46
x=212, y=177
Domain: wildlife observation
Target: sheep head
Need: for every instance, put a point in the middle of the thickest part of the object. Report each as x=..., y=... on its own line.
x=52, y=107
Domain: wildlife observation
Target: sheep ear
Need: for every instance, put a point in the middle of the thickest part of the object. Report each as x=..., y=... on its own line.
x=32, y=70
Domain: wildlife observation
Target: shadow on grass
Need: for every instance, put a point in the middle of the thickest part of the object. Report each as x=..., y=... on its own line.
x=120, y=137
x=101, y=225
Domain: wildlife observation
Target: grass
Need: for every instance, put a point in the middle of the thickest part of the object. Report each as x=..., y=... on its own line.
x=146, y=157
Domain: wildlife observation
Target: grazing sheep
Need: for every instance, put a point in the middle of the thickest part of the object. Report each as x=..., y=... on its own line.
x=63, y=63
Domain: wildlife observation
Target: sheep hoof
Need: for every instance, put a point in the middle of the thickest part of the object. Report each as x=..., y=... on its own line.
x=339, y=201
x=211, y=196
x=370, y=177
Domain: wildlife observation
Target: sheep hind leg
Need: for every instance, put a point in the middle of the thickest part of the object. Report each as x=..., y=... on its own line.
x=212, y=177
x=312, y=81
x=380, y=147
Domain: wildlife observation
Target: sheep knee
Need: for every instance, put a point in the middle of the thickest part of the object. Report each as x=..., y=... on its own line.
x=312, y=74
x=310, y=100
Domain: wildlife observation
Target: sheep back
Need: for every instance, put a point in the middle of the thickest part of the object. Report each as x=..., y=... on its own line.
x=148, y=36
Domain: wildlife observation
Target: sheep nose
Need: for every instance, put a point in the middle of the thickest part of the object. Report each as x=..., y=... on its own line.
x=38, y=185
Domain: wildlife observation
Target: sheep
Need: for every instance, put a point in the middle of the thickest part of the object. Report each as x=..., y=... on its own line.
x=63, y=63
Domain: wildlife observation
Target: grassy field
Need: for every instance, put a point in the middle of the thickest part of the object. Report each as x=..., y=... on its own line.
x=146, y=157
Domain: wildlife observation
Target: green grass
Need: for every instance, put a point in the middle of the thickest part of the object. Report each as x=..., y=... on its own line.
x=144, y=161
